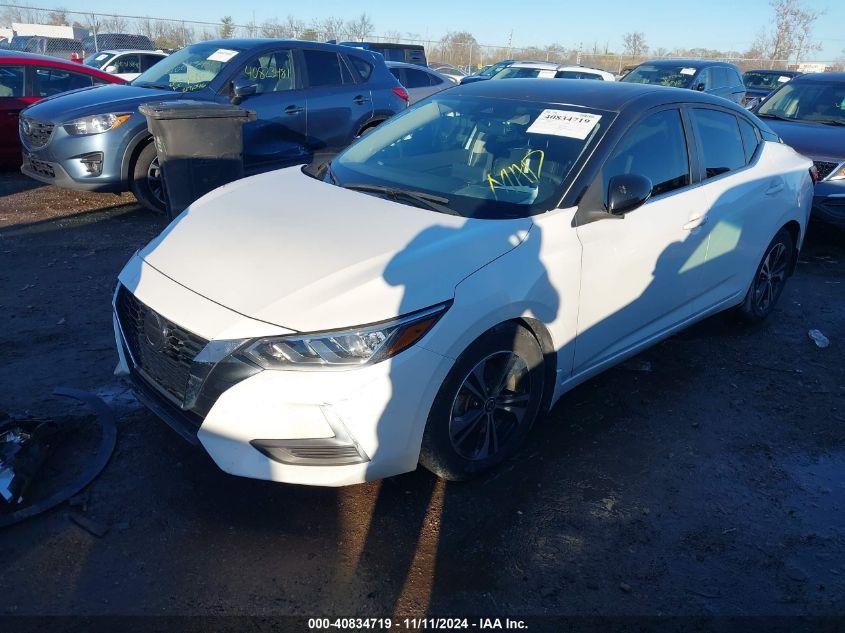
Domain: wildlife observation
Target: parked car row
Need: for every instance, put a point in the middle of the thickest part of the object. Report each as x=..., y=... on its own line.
x=428, y=294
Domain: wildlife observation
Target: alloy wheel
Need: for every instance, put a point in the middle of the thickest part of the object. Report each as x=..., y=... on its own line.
x=490, y=405
x=771, y=278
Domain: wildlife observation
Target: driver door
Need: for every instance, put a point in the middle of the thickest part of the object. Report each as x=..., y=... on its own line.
x=277, y=135
x=641, y=274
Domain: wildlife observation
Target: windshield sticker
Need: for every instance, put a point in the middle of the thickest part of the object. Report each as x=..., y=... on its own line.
x=522, y=174
x=687, y=71
x=222, y=55
x=101, y=56
x=783, y=79
x=564, y=123
x=546, y=74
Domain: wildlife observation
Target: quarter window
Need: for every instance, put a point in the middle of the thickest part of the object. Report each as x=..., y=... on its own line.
x=323, y=68
x=750, y=138
x=364, y=69
x=272, y=72
x=416, y=78
x=11, y=81
x=720, y=140
x=655, y=148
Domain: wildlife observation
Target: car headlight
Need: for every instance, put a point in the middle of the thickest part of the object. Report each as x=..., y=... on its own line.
x=838, y=173
x=96, y=124
x=367, y=344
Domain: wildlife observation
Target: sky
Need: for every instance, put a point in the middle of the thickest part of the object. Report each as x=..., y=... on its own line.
x=720, y=24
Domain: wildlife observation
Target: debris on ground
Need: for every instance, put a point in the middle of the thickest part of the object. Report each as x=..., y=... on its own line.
x=818, y=338
x=90, y=525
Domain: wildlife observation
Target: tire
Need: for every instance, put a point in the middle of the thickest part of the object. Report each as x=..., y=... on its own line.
x=370, y=127
x=147, y=184
x=476, y=422
x=769, y=279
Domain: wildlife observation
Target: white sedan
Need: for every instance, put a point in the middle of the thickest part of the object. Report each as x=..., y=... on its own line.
x=448, y=277
x=551, y=70
x=126, y=64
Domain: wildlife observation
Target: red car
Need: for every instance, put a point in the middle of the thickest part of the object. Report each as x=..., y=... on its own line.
x=26, y=78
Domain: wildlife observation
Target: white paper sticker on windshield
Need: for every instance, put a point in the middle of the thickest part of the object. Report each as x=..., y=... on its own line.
x=687, y=71
x=222, y=55
x=101, y=56
x=546, y=74
x=564, y=123
x=783, y=79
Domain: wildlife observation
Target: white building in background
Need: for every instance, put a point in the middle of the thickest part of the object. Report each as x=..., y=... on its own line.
x=49, y=30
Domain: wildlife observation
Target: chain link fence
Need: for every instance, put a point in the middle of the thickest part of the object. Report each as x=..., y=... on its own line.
x=103, y=31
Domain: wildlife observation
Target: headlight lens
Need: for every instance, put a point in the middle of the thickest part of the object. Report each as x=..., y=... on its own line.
x=96, y=124
x=838, y=173
x=356, y=346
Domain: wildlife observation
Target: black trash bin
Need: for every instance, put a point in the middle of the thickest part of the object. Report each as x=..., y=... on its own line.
x=199, y=146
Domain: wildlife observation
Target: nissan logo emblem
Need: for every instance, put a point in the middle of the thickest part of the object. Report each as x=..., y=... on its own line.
x=155, y=331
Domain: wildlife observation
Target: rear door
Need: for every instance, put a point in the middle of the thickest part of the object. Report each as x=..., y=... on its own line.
x=50, y=80
x=277, y=135
x=13, y=99
x=338, y=107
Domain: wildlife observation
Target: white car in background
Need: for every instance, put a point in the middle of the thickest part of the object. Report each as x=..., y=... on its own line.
x=126, y=64
x=455, y=74
x=449, y=276
x=550, y=70
x=419, y=81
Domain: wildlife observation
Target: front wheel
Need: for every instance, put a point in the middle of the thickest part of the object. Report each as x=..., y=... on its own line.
x=147, y=183
x=487, y=404
x=769, y=280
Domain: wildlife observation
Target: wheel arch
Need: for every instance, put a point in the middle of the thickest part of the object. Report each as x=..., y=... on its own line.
x=544, y=338
x=133, y=149
x=794, y=229
x=369, y=123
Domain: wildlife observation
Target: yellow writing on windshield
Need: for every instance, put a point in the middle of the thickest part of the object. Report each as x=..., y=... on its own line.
x=523, y=173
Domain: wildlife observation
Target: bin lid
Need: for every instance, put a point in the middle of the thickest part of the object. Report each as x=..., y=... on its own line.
x=193, y=109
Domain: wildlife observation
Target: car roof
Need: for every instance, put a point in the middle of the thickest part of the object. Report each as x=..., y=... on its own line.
x=542, y=65
x=257, y=43
x=690, y=63
x=392, y=64
x=601, y=95
x=33, y=58
x=770, y=71
x=836, y=77
x=121, y=51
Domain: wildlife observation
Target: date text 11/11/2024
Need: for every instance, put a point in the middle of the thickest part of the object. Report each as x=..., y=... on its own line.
x=432, y=624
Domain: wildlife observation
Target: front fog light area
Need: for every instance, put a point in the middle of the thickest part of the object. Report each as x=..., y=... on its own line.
x=92, y=162
x=340, y=450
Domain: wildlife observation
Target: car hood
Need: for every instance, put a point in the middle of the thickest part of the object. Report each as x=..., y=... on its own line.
x=306, y=255
x=815, y=140
x=96, y=100
x=757, y=92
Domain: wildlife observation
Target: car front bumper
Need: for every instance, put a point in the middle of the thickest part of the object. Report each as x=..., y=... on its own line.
x=325, y=428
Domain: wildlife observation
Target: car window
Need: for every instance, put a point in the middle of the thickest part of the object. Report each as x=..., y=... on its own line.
x=148, y=61
x=704, y=80
x=721, y=143
x=345, y=73
x=323, y=68
x=677, y=76
x=272, y=72
x=11, y=81
x=52, y=81
x=736, y=79
x=655, y=148
x=822, y=101
x=416, y=78
x=126, y=64
x=396, y=72
x=363, y=68
x=750, y=138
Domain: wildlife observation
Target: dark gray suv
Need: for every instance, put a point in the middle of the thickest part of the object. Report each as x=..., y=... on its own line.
x=716, y=78
x=308, y=97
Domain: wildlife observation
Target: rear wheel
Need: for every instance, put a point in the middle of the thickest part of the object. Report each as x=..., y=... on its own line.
x=769, y=279
x=147, y=183
x=487, y=404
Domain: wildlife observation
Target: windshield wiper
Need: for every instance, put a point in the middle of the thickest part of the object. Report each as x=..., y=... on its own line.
x=775, y=116
x=830, y=121
x=155, y=86
x=435, y=203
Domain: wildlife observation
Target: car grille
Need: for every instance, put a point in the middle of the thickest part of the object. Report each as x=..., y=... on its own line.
x=40, y=167
x=35, y=133
x=161, y=350
x=824, y=168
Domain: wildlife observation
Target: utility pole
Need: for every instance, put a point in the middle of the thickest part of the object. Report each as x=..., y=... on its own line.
x=510, y=42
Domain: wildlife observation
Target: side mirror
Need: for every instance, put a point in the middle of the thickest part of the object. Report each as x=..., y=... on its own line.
x=243, y=87
x=627, y=192
x=699, y=87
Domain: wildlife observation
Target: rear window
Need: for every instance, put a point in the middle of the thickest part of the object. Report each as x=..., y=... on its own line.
x=416, y=78
x=721, y=142
x=363, y=68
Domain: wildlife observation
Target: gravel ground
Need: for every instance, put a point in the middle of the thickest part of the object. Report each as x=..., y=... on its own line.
x=704, y=477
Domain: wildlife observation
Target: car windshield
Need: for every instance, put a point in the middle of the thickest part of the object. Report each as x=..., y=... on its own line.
x=479, y=157
x=821, y=101
x=191, y=68
x=521, y=72
x=764, y=81
x=98, y=60
x=679, y=76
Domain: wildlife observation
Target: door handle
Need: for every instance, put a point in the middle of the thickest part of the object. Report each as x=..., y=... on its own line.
x=695, y=222
x=775, y=187
x=294, y=109
x=360, y=99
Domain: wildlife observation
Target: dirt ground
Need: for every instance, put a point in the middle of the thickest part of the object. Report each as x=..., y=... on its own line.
x=704, y=477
